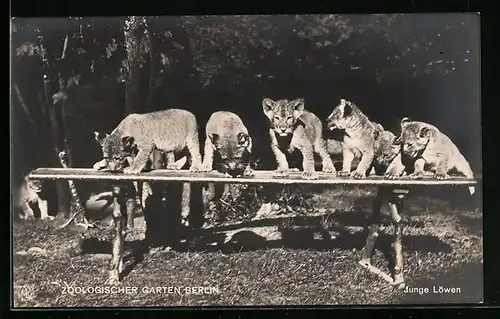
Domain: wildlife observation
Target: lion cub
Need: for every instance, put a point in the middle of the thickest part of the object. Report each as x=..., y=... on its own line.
x=359, y=139
x=228, y=140
x=289, y=118
x=432, y=150
x=27, y=198
x=168, y=131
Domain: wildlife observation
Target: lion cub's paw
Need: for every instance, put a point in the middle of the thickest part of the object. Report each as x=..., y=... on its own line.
x=343, y=173
x=441, y=176
x=329, y=170
x=248, y=172
x=391, y=176
x=309, y=175
x=358, y=175
x=206, y=168
x=416, y=175
x=282, y=172
x=195, y=168
x=130, y=170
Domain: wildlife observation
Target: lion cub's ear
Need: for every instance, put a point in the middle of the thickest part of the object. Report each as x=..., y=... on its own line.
x=404, y=121
x=299, y=104
x=100, y=137
x=425, y=132
x=347, y=108
x=267, y=104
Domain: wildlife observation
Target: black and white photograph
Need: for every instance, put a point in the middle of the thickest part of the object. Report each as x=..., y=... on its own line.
x=246, y=160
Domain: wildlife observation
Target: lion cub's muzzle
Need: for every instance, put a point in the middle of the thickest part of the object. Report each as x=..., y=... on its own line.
x=332, y=125
x=233, y=169
x=283, y=131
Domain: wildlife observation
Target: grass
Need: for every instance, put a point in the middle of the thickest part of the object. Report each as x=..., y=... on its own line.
x=289, y=259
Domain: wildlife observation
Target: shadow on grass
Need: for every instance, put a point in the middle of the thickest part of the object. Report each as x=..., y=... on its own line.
x=300, y=232
x=316, y=238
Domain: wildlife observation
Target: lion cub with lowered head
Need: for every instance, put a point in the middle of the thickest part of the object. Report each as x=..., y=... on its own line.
x=168, y=131
x=289, y=118
x=432, y=150
x=366, y=139
x=228, y=140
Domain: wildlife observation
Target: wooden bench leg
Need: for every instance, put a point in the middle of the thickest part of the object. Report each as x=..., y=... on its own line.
x=120, y=204
x=186, y=204
x=373, y=233
x=372, y=230
x=396, y=207
x=130, y=204
x=395, y=199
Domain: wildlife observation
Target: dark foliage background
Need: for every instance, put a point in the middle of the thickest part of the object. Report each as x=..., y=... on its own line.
x=424, y=66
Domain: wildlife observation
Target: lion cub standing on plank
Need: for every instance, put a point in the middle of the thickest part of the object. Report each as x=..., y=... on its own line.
x=366, y=139
x=289, y=118
x=227, y=140
x=168, y=131
x=432, y=150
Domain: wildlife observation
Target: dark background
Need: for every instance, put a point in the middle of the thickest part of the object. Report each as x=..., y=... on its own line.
x=424, y=66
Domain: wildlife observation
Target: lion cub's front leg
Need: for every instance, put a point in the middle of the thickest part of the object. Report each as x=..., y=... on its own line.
x=139, y=162
x=193, y=146
x=300, y=141
x=326, y=159
x=44, y=209
x=364, y=164
x=418, y=171
x=283, y=168
x=208, y=157
x=395, y=169
x=347, y=158
x=442, y=168
x=308, y=162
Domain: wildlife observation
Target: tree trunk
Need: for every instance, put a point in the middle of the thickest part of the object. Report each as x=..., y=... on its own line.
x=152, y=65
x=65, y=157
x=25, y=108
x=62, y=190
x=131, y=31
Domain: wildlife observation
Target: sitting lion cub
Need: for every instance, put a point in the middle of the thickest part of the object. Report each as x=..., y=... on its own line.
x=168, y=131
x=28, y=199
x=289, y=118
x=227, y=138
x=431, y=149
x=360, y=138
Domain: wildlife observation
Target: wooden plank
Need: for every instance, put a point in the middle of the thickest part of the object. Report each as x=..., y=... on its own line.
x=260, y=177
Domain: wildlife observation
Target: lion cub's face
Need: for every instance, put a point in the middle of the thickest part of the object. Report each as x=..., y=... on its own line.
x=340, y=117
x=232, y=152
x=283, y=114
x=35, y=185
x=117, y=152
x=414, y=137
